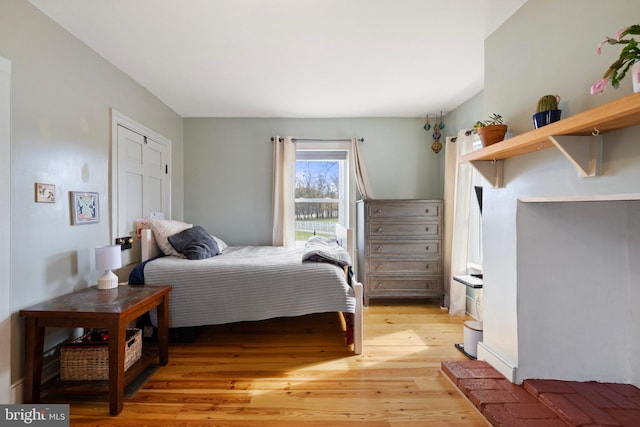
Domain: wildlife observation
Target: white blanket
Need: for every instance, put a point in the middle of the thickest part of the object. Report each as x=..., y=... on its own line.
x=323, y=249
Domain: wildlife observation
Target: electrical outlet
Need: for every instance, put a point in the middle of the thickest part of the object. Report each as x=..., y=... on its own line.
x=124, y=242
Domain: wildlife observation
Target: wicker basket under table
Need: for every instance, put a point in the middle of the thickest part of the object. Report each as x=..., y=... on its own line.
x=84, y=361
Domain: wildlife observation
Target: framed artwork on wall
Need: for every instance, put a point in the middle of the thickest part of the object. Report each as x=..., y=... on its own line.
x=84, y=207
x=45, y=193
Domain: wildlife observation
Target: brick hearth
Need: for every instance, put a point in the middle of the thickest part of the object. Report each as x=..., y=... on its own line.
x=544, y=403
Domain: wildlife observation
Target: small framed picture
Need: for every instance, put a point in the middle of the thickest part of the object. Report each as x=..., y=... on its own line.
x=45, y=193
x=84, y=207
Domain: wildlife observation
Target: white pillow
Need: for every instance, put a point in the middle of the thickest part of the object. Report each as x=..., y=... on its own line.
x=162, y=229
x=221, y=244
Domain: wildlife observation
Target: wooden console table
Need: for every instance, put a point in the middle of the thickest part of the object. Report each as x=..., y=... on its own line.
x=110, y=309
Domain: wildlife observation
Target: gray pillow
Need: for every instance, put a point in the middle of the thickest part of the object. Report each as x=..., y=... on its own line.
x=194, y=243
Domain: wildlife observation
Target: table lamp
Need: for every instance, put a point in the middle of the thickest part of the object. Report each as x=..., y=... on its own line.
x=107, y=258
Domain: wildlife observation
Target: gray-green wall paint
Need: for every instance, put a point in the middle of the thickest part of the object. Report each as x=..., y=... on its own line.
x=466, y=115
x=228, y=166
x=61, y=96
x=549, y=46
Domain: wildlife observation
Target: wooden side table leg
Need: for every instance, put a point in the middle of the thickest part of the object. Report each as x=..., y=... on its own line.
x=34, y=343
x=117, y=342
x=163, y=330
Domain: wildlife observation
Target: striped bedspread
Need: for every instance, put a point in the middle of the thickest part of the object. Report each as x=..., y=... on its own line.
x=249, y=283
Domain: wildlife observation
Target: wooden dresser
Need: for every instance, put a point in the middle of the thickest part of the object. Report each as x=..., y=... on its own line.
x=400, y=248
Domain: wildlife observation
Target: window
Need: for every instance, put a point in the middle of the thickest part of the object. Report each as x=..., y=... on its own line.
x=321, y=192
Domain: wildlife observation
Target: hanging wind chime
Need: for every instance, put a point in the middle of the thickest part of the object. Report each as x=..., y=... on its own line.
x=437, y=145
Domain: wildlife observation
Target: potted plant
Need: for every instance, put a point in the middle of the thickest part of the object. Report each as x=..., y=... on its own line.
x=491, y=130
x=629, y=60
x=547, y=111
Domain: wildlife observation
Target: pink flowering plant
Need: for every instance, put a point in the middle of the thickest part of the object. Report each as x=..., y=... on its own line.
x=630, y=53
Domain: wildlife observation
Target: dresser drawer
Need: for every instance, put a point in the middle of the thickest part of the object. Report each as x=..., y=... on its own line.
x=397, y=211
x=404, y=267
x=408, y=229
x=400, y=248
x=423, y=249
x=385, y=285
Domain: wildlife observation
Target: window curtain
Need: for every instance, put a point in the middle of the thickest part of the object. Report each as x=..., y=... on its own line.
x=362, y=178
x=284, y=181
x=457, y=196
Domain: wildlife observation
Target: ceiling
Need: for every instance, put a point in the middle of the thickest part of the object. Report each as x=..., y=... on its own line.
x=293, y=58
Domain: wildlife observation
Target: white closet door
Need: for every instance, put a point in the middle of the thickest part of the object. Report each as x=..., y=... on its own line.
x=155, y=165
x=143, y=184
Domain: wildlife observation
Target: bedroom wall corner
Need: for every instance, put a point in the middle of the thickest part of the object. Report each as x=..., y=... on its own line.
x=62, y=93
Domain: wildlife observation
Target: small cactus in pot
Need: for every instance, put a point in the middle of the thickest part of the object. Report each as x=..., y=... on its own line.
x=547, y=111
x=548, y=102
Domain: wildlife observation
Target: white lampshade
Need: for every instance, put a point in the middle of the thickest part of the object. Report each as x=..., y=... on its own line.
x=108, y=257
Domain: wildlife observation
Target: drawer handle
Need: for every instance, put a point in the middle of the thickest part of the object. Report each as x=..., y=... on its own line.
x=426, y=229
x=427, y=267
x=427, y=248
x=426, y=210
x=378, y=267
x=379, y=211
x=379, y=285
x=380, y=230
x=378, y=248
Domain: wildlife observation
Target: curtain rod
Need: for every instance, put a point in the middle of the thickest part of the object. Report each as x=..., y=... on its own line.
x=320, y=140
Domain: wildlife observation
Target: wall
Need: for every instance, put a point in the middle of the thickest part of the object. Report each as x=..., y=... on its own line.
x=546, y=47
x=5, y=215
x=542, y=174
x=634, y=295
x=465, y=115
x=61, y=96
x=229, y=166
x=580, y=290
x=549, y=47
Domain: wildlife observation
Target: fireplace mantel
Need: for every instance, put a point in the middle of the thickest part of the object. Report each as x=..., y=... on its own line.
x=582, y=198
x=579, y=138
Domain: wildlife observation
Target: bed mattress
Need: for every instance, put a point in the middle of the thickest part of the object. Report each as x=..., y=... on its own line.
x=249, y=283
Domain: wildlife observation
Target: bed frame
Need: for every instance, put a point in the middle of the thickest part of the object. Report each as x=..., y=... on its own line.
x=345, y=237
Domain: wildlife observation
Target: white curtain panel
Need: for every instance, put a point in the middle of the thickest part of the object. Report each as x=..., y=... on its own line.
x=450, y=160
x=362, y=178
x=457, y=197
x=284, y=181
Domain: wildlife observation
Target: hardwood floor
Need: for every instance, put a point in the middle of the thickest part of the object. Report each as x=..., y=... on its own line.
x=298, y=372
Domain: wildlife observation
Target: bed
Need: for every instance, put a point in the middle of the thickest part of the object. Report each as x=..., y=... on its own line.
x=248, y=283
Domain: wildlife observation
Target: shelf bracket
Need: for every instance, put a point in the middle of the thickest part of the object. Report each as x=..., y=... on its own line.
x=491, y=170
x=584, y=152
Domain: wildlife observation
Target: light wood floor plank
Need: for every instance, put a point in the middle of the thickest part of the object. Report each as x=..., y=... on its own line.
x=297, y=371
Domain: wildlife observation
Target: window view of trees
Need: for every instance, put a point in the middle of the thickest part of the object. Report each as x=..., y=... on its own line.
x=317, y=198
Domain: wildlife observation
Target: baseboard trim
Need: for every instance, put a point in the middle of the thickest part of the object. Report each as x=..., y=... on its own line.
x=50, y=370
x=496, y=360
x=16, y=392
